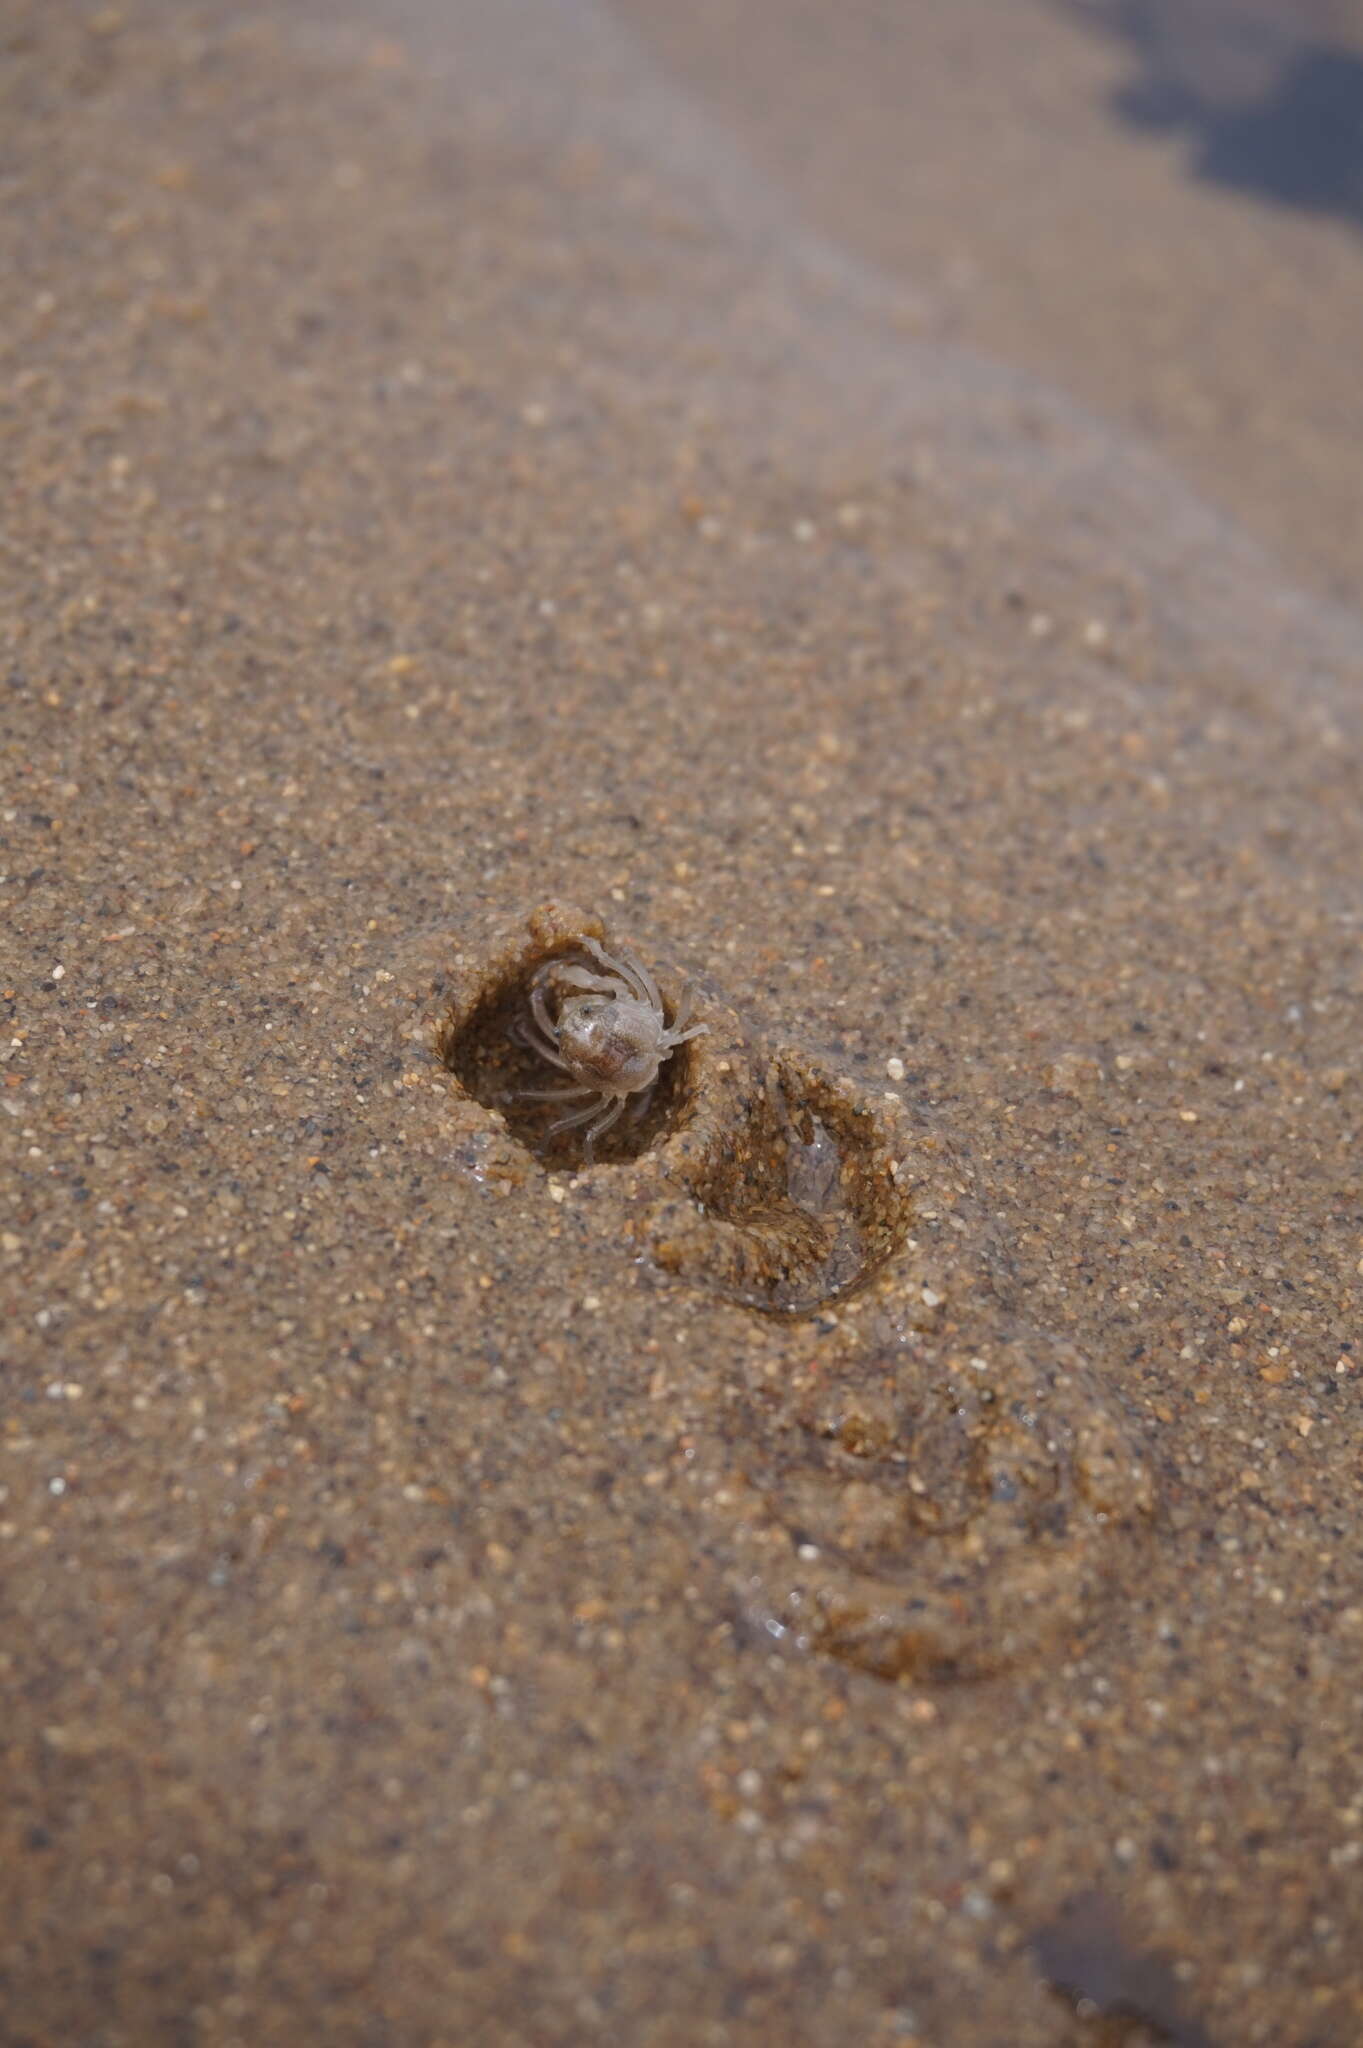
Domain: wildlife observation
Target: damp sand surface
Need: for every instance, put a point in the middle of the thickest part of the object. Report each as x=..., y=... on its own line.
x=874, y=1556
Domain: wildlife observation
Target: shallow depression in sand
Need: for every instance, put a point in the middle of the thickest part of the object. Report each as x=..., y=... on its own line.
x=799, y=1202
x=938, y=1520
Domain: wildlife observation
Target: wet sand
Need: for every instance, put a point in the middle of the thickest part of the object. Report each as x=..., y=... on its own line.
x=874, y=1556
x=1072, y=186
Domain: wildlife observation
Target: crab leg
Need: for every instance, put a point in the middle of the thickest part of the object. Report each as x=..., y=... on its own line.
x=523, y=1032
x=579, y=977
x=547, y=1052
x=651, y=989
x=602, y=1125
x=642, y=1102
x=637, y=979
x=576, y=1117
x=545, y=1043
x=605, y=1122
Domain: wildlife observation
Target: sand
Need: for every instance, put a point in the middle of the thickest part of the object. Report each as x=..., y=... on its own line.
x=875, y=1555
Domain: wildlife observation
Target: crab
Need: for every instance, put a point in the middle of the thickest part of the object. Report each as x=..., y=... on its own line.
x=605, y=1027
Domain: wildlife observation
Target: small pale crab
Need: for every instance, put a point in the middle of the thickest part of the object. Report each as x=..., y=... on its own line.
x=606, y=1028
